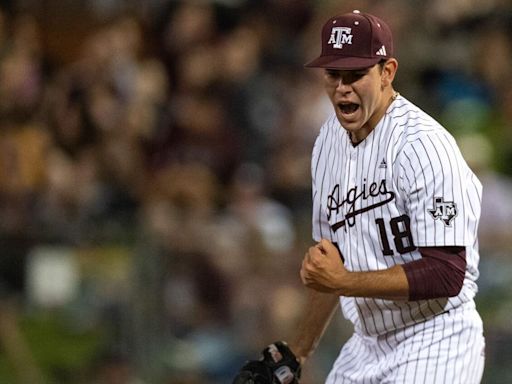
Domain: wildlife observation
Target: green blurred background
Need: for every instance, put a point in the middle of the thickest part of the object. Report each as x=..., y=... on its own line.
x=155, y=185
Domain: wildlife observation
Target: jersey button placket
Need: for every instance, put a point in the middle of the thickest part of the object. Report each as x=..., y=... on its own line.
x=353, y=159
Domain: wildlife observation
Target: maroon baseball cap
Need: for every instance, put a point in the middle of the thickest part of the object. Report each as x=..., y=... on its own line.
x=353, y=41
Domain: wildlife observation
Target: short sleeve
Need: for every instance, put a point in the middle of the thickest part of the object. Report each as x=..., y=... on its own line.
x=441, y=193
x=320, y=224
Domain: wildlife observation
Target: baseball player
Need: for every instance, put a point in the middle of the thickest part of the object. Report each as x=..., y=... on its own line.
x=395, y=218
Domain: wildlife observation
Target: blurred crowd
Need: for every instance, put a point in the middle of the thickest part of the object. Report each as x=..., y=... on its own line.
x=155, y=176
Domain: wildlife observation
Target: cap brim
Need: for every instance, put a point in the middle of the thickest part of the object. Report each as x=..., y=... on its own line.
x=340, y=62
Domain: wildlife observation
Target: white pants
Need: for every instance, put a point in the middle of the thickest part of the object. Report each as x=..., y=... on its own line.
x=447, y=349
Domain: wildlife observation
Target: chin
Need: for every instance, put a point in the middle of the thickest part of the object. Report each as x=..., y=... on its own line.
x=350, y=126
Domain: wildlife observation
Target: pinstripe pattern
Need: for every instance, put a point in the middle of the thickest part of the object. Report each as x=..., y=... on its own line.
x=406, y=185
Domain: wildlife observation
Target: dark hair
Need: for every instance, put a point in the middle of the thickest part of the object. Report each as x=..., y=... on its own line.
x=382, y=63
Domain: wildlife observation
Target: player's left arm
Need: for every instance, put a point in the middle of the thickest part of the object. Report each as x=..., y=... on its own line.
x=439, y=273
x=323, y=270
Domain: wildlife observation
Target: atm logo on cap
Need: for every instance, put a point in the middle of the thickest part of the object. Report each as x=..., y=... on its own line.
x=340, y=36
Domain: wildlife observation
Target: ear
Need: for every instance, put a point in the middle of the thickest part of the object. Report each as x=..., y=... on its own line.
x=388, y=72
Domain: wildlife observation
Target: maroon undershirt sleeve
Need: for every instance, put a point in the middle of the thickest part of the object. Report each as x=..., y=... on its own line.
x=439, y=273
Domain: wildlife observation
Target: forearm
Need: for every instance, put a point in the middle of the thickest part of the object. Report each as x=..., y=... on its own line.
x=390, y=284
x=440, y=272
x=320, y=308
x=323, y=270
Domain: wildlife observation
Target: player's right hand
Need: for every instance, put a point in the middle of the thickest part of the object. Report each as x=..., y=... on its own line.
x=277, y=365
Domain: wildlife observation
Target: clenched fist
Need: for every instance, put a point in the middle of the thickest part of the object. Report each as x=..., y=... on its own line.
x=323, y=269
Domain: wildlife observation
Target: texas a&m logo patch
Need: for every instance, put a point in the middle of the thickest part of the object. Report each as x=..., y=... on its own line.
x=445, y=211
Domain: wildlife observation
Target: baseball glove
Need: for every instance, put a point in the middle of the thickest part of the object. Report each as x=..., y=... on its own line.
x=277, y=365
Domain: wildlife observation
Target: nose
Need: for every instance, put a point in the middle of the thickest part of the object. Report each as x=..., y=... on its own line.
x=343, y=88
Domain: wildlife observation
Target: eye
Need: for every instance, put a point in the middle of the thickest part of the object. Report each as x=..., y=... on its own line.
x=332, y=77
x=359, y=74
x=332, y=74
x=352, y=76
x=348, y=77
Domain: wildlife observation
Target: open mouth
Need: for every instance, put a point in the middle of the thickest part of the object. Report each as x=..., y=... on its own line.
x=348, y=108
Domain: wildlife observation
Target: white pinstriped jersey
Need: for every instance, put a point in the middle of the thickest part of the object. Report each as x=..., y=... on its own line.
x=405, y=186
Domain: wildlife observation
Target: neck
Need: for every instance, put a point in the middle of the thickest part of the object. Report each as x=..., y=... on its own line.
x=377, y=116
x=389, y=97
